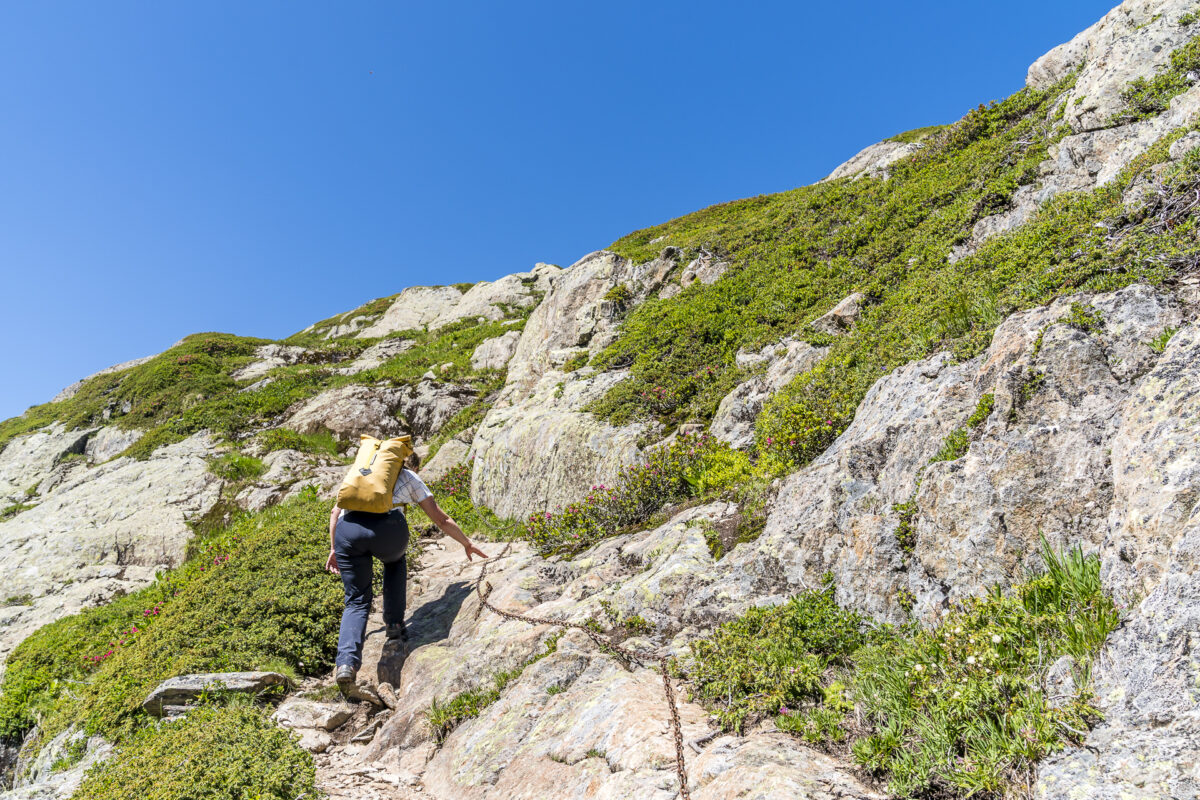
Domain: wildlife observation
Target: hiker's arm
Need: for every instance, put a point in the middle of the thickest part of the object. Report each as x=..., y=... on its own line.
x=331, y=562
x=449, y=527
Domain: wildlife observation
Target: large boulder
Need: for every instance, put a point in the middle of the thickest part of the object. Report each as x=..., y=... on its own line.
x=413, y=309
x=104, y=531
x=537, y=447
x=574, y=314
x=26, y=461
x=544, y=451
x=428, y=405
x=350, y=411
x=495, y=300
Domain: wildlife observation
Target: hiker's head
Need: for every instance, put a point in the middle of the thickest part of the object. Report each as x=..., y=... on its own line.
x=413, y=462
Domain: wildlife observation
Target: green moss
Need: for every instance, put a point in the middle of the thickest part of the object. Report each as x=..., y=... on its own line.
x=1190, y=17
x=233, y=753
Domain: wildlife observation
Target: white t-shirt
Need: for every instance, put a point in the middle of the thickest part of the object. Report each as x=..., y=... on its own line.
x=409, y=489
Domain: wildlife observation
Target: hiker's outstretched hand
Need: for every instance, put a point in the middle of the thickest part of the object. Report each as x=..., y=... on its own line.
x=331, y=563
x=470, y=548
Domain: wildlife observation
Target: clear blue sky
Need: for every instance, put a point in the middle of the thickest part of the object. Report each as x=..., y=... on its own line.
x=252, y=167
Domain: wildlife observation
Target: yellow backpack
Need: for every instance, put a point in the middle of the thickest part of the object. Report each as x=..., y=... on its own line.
x=369, y=484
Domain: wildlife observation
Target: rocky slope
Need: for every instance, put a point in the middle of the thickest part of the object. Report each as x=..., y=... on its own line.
x=1074, y=417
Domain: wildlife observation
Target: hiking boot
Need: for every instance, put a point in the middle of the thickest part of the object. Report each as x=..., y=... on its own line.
x=395, y=630
x=345, y=677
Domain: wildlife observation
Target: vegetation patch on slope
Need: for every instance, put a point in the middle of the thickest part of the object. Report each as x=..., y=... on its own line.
x=253, y=596
x=797, y=253
x=961, y=708
x=231, y=753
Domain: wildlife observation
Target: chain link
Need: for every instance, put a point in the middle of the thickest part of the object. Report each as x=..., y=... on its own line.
x=483, y=588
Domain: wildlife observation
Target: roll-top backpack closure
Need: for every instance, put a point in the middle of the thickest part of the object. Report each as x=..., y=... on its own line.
x=371, y=480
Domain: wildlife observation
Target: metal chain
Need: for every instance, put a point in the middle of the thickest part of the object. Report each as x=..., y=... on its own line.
x=604, y=643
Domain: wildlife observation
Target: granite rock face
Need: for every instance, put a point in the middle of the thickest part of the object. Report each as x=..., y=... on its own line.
x=494, y=353
x=537, y=447
x=576, y=722
x=1132, y=41
x=104, y=530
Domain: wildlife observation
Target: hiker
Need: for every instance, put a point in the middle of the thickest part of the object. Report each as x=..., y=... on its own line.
x=356, y=536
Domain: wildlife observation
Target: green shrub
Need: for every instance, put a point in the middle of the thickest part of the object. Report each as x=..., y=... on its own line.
x=955, y=709
x=575, y=362
x=233, y=753
x=1085, y=318
x=960, y=705
x=773, y=657
x=795, y=254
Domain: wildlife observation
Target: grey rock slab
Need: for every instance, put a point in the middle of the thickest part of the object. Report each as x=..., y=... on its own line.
x=109, y=442
x=37, y=781
x=413, y=309
x=545, y=451
x=304, y=713
x=186, y=689
x=105, y=530
x=770, y=766
x=448, y=456
x=430, y=404
x=494, y=353
x=28, y=460
x=349, y=412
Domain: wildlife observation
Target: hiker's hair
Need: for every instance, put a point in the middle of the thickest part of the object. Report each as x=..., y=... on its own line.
x=413, y=462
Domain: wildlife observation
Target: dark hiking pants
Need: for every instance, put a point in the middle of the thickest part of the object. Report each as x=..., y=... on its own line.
x=357, y=538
